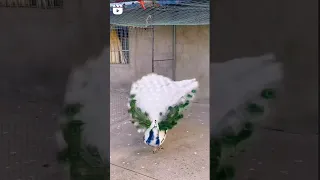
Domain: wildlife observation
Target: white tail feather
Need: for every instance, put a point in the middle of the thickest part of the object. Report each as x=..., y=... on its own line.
x=236, y=82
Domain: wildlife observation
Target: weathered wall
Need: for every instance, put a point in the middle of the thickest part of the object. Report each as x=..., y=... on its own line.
x=163, y=54
x=140, y=59
x=192, y=57
x=289, y=29
x=140, y=62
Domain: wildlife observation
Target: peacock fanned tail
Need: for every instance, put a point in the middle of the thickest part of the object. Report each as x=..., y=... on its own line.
x=139, y=119
x=142, y=121
x=155, y=97
x=175, y=113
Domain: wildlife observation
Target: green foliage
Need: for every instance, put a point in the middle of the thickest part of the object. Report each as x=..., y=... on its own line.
x=218, y=170
x=84, y=160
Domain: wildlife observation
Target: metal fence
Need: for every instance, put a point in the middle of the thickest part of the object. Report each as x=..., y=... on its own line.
x=159, y=12
x=118, y=104
x=119, y=45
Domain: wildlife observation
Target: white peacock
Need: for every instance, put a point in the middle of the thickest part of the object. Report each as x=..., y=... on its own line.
x=156, y=105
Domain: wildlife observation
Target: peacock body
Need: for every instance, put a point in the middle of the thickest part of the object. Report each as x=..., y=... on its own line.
x=156, y=105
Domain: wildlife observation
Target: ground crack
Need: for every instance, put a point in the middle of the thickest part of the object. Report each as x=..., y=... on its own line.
x=286, y=132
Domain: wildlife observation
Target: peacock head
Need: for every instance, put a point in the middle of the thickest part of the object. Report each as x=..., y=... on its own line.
x=154, y=124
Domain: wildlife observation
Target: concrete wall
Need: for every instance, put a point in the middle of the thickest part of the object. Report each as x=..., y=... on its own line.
x=192, y=56
x=140, y=62
x=289, y=29
x=163, y=54
x=140, y=58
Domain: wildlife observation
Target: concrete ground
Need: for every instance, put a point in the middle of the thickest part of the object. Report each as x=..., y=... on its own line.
x=27, y=154
x=274, y=155
x=186, y=148
x=268, y=155
x=27, y=142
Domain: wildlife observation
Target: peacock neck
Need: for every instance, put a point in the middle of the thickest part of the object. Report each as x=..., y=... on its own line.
x=151, y=135
x=153, y=127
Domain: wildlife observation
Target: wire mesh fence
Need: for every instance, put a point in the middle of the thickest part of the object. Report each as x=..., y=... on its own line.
x=118, y=104
x=160, y=12
x=148, y=48
x=44, y=4
x=119, y=45
x=126, y=41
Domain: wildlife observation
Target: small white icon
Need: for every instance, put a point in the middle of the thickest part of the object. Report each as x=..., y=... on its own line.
x=117, y=9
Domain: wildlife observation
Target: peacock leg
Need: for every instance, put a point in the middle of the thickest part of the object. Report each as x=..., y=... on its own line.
x=155, y=150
